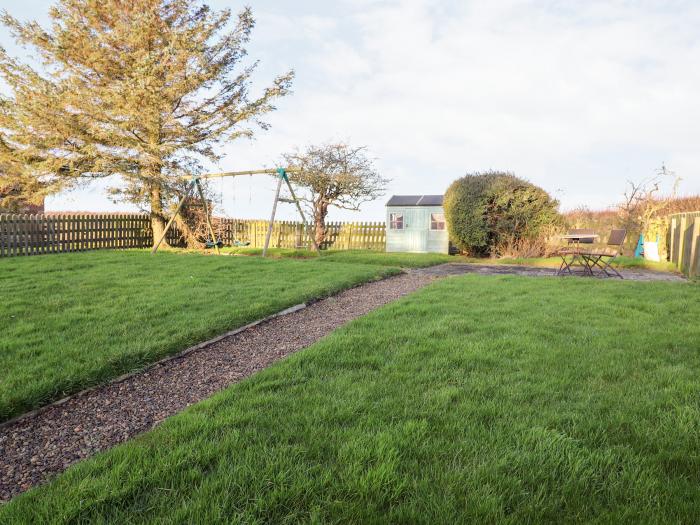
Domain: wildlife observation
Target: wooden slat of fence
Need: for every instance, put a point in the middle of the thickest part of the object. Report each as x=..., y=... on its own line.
x=72, y=227
x=77, y=226
x=10, y=234
x=694, y=260
x=21, y=237
x=27, y=234
x=681, y=241
x=3, y=235
x=84, y=233
x=52, y=232
x=76, y=231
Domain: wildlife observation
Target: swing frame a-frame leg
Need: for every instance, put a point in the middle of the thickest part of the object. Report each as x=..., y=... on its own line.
x=282, y=176
x=172, y=219
x=195, y=183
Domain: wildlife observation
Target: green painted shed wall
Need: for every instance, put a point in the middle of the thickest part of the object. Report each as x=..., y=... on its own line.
x=416, y=237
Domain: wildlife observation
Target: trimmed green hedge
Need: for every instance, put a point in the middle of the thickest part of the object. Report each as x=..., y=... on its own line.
x=487, y=212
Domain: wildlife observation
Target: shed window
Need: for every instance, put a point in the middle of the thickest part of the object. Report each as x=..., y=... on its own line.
x=437, y=221
x=396, y=221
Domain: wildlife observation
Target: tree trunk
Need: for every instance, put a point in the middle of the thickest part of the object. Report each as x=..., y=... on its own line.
x=157, y=216
x=188, y=234
x=320, y=213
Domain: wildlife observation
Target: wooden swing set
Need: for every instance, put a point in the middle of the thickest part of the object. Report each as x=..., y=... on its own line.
x=216, y=242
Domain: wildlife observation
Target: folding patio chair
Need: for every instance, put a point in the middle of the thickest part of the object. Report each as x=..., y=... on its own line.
x=572, y=250
x=604, y=257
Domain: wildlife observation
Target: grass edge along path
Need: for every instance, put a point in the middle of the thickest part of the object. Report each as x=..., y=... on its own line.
x=508, y=402
x=72, y=321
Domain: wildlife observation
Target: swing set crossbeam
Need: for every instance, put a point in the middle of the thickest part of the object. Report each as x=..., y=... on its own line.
x=216, y=243
x=241, y=173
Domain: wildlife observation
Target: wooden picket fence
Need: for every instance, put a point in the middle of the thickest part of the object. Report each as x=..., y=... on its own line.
x=684, y=242
x=292, y=234
x=57, y=233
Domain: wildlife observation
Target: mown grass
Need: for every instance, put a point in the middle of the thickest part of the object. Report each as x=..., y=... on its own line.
x=478, y=399
x=420, y=260
x=273, y=253
x=403, y=260
x=73, y=320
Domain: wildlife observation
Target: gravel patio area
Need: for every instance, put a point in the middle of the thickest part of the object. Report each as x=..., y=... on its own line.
x=444, y=270
x=37, y=446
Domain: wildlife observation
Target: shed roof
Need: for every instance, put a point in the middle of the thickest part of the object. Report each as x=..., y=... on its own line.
x=415, y=200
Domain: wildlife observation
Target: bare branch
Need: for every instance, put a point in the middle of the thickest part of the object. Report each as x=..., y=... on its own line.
x=334, y=174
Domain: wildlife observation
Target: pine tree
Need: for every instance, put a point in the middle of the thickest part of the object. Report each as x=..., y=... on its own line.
x=145, y=89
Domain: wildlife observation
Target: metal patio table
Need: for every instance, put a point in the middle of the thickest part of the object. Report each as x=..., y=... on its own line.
x=576, y=259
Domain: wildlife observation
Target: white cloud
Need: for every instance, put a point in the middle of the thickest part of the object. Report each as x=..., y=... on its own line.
x=577, y=96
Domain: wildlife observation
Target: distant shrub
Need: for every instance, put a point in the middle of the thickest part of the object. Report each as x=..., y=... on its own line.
x=494, y=213
x=602, y=221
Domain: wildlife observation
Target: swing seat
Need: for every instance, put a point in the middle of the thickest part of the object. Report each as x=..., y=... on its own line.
x=241, y=243
x=214, y=244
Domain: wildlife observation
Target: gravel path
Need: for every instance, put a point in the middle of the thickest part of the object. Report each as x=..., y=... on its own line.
x=34, y=448
x=44, y=443
x=444, y=270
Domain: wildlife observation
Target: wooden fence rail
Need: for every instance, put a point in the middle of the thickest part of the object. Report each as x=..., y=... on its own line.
x=57, y=233
x=291, y=234
x=684, y=242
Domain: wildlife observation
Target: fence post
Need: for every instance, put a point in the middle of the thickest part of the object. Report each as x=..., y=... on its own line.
x=672, y=241
x=694, y=261
x=681, y=242
x=3, y=235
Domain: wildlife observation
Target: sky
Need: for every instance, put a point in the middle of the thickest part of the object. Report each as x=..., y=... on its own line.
x=578, y=97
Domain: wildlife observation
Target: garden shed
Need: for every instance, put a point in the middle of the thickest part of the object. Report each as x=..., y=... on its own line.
x=416, y=223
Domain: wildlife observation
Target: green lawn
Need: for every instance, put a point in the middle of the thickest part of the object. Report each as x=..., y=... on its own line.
x=487, y=399
x=419, y=260
x=274, y=253
x=403, y=260
x=73, y=320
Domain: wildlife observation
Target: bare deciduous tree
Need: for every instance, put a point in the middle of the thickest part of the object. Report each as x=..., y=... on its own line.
x=336, y=175
x=643, y=202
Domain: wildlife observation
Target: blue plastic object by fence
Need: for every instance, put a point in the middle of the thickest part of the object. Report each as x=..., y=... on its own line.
x=639, y=251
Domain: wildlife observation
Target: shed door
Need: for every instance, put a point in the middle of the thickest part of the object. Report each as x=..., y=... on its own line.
x=419, y=240
x=416, y=230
